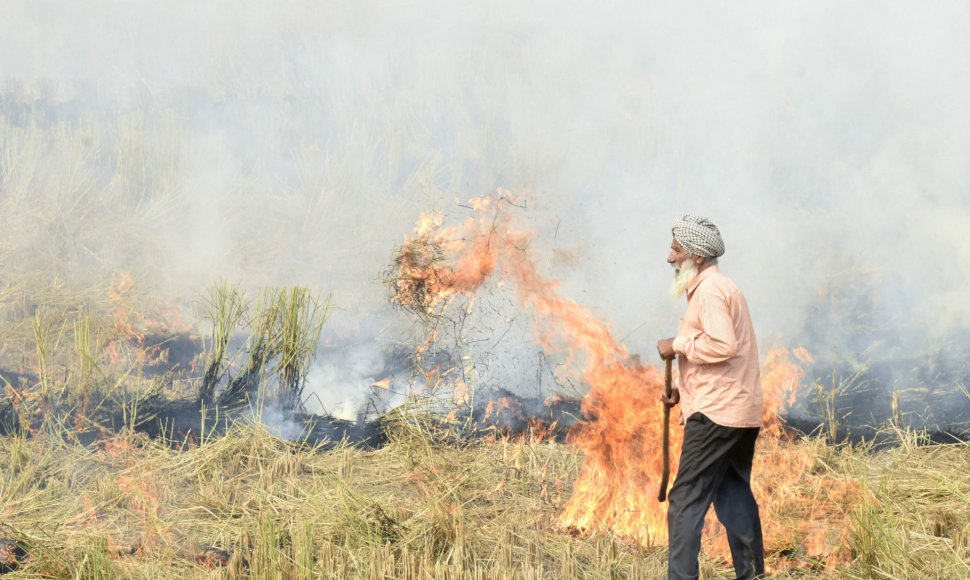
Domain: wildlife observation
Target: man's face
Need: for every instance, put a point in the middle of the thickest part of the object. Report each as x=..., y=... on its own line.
x=677, y=255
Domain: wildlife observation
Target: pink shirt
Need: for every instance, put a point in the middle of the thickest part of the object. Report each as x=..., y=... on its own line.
x=719, y=372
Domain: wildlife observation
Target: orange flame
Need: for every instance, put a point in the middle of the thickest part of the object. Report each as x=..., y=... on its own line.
x=141, y=492
x=121, y=292
x=131, y=326
x=780, y=381
x=621, y=439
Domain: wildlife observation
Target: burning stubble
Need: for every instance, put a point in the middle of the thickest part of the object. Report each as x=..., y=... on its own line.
x=614, y=485
x=621, y=429
x=282, y=146
x=288, y=156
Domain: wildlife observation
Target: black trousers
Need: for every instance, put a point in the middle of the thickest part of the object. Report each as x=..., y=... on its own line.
x=715, y=467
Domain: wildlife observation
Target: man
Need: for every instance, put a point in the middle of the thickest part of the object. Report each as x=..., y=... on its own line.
x=720, y=395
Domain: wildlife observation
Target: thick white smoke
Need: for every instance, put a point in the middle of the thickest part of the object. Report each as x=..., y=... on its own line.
x=297, y=142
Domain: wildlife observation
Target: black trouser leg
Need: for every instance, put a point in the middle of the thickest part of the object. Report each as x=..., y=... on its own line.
x=715, y=466
x=737, y=511
x=689, y=499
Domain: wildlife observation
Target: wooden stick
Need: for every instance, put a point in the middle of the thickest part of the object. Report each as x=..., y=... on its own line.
x=665, y=474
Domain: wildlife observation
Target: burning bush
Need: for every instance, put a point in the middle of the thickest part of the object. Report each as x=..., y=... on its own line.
x=438, y=263
x=416, y=280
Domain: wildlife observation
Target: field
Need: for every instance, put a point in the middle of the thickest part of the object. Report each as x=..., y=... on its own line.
x=248, y=505
x=86, y=493
x=94, y=352
x=199, y=203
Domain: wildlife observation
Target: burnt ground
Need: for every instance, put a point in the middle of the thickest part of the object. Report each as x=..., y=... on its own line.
x=921, y=393
x=925, y=394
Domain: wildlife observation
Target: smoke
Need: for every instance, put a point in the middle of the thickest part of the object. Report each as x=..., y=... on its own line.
x=340, y=384
x=297, y=143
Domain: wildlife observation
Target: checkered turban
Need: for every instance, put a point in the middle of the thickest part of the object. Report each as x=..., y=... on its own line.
x=698, y=236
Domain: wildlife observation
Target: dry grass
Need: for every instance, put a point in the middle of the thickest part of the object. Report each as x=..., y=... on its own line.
x=80, y=215
x=245, y=504
x=132, y=507
x=915, y=522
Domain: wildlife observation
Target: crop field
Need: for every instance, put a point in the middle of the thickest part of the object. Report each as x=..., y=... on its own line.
x=246, y=504
x=100, y=479
x=357, y=289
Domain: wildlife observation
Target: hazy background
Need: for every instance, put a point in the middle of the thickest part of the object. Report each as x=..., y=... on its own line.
x=297, y=142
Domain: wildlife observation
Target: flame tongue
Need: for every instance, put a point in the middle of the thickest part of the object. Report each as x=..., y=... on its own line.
x=622, y=436
x=618, y=483
x=617, y=486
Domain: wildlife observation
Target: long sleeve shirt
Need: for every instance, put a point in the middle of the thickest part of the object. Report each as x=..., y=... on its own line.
x=718, y=353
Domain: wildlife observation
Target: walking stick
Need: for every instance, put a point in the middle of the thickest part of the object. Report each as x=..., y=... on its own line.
x=665, y=474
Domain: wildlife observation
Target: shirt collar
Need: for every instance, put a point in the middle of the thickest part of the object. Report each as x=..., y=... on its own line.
x=708, y=271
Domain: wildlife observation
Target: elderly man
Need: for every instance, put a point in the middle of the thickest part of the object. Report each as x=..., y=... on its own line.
x=720, y=395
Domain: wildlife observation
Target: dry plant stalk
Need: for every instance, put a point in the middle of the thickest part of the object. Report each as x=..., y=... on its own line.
x=132, y=506
x=438, y=263
x=284, y=326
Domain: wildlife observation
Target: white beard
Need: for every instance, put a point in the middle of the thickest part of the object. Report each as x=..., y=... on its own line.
x=683, y=276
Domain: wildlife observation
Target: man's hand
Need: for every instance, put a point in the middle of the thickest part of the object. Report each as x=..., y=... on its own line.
x=672, y=400
x=665, y=346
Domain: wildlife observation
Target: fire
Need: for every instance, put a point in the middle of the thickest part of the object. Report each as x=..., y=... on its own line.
x=780, y=381
x=30, y=407
x=617, y=487
x=131, y=326
x=621, y=438
x=438, y=263
x=121, y=293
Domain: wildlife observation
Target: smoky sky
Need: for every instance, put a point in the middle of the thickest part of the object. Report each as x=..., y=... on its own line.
x=296, y=142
